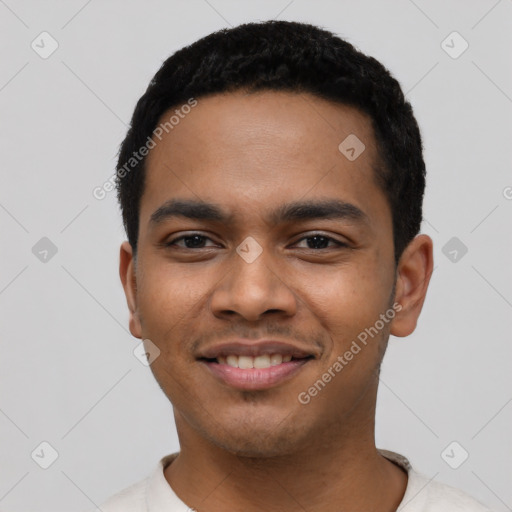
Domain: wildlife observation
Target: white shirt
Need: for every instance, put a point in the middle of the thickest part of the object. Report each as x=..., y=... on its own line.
x=422, y=494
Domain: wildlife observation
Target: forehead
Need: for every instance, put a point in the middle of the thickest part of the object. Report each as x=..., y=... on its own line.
x=252, y=150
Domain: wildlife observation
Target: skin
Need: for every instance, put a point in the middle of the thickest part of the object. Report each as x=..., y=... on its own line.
x=263, y=449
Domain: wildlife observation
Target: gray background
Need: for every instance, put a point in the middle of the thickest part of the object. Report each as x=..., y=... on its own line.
x=68, y=373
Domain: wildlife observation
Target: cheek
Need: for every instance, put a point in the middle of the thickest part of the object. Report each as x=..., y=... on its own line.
x=167, y=293
x=167, y=307
x=349, y=299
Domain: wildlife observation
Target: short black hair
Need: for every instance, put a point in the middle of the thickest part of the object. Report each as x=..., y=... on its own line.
x=285, y=56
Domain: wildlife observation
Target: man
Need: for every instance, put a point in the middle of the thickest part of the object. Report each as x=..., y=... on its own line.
x=271, y=187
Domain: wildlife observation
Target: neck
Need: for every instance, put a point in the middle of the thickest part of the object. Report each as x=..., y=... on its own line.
x=339, y=470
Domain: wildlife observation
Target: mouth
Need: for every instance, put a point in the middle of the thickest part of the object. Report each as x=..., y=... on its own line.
x=255, y=373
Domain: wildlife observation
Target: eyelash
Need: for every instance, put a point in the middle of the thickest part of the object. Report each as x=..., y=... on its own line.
x=172, y=242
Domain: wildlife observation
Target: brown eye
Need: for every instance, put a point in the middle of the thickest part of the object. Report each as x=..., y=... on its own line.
x=193, y=241
x=321, y=242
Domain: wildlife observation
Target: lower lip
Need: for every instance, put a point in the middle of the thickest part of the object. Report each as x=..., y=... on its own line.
x=256, y=378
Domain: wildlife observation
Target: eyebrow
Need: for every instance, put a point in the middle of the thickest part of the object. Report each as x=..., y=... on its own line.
x=297, y=210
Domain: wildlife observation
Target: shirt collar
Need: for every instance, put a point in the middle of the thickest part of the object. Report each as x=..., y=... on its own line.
x=160, y=495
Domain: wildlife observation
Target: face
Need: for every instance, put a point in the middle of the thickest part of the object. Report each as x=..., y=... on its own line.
x=264, y=254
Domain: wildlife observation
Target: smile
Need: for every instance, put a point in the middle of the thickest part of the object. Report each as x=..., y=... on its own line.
x=248, y=362
x=255, y=373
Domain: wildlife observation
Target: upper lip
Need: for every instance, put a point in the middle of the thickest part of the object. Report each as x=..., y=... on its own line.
x=253, y=348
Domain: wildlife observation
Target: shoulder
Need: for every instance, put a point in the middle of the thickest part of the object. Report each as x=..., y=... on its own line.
x=152, y=493
x=130, y=499
x=433, y=496
x=425, y=494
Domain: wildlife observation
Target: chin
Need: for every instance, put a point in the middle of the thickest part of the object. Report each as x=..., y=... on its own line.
x=253, y=449
x=259, y=441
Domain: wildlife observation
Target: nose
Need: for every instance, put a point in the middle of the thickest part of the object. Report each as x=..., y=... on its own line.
x=253, y=287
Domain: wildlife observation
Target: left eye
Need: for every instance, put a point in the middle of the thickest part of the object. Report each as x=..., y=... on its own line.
x=321, y=240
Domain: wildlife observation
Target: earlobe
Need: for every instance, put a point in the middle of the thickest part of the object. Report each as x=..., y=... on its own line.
x=128, y=279
x=413, y=277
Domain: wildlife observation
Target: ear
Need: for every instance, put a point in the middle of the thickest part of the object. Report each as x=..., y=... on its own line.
x=413, y=276
x=127, y=270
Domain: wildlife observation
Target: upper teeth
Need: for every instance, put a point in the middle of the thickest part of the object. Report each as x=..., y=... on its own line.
x=245, y=362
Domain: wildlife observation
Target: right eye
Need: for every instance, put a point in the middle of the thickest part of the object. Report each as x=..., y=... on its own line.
x=192, y=241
